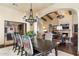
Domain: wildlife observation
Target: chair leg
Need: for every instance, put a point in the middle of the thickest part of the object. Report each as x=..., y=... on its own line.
x=18, y=50
x=22, y=49
x=25, y=53
x=15, y=47
x=56, y=52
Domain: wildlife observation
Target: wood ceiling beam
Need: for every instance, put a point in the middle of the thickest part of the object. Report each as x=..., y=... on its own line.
x=43, y=18
x=56, y=13
x=70, y=12
x=49, y=16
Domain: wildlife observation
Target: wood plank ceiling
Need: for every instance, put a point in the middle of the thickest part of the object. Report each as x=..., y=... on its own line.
x=55, y=14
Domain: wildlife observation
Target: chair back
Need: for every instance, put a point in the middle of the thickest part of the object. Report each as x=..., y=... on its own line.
x=48, y=36
x=13, y=37
x=28, y=45
x=49, y=39
x=19, y=40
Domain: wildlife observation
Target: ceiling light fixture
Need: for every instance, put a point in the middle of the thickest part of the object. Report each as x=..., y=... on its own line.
x=31, y=19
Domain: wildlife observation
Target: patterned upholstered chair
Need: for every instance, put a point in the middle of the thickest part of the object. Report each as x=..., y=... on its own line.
x=14, y=41
x=28, y=48
x=19, y=43
x=49, y=39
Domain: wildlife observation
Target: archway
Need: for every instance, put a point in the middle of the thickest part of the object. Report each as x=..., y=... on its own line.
x=69, y=21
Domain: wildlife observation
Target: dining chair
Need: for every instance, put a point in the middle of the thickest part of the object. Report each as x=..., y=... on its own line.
x=14, y=41
x=19, y=43
x=49, y=39
x=28, y=47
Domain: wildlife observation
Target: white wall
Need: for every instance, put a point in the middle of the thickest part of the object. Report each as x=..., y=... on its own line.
x=78, y=29
x=9, y=14
x=67, y=20
x=1, y=31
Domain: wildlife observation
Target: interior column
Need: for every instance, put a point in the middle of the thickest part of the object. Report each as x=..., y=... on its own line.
x=28, y=27
x=78, y=30
x=35, y=30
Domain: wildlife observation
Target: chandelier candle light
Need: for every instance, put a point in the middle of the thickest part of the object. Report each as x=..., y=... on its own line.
x=31, y=19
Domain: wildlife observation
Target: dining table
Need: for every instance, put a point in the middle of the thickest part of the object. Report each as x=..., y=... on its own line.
x=46, y=46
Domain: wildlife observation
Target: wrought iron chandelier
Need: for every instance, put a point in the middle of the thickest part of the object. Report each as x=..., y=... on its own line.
x=30, y=19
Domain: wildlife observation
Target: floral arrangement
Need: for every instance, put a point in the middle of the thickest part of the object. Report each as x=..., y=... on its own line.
x=30, y=34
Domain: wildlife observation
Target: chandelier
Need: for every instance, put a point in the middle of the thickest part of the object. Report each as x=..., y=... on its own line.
x=30, y=19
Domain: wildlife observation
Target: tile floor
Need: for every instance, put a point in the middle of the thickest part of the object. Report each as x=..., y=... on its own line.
x=7, y=51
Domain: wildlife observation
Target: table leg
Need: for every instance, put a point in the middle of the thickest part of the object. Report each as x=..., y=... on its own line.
x=56, y=51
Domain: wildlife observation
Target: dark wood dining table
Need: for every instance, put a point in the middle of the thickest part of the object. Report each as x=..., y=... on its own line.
x=45, y=47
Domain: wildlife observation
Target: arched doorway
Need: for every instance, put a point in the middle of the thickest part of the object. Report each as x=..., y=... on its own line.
x=67, y=18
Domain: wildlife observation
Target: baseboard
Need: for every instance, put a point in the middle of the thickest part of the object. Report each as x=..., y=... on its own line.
x=2, y=46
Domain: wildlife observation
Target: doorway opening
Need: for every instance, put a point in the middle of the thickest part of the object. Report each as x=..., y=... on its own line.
x=62, y=21
x=13, y=27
